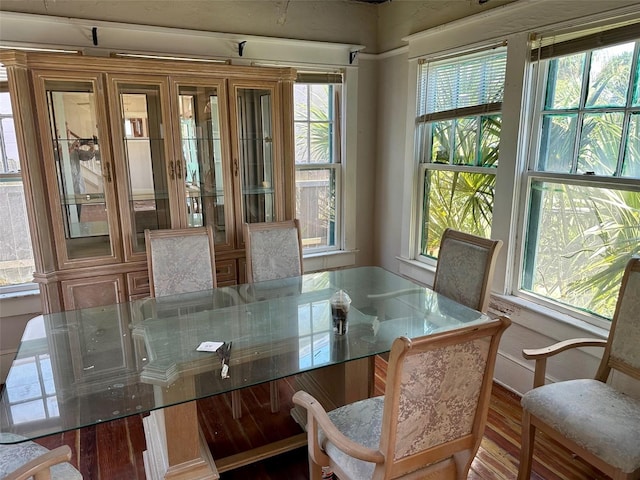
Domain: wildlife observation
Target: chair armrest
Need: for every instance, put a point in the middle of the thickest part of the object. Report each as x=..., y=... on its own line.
x=317, y=414
x=540, y=355
x=41, y=464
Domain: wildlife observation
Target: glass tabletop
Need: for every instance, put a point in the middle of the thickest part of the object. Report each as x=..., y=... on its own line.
x=83, y=367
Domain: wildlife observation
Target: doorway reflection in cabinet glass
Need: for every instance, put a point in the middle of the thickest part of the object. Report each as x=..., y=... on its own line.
x=144, y=147
x=76, y=152
x=201, y=140
x=256, y=154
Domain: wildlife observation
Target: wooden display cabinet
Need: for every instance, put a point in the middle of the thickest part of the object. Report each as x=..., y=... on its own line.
x=126, y=144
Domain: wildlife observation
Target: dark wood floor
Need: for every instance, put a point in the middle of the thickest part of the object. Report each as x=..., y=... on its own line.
x=113, y=450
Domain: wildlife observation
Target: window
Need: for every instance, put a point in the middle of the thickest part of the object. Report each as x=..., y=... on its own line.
x=457, y=139
x=16, y=255
x=583, y=217
x=318, y=148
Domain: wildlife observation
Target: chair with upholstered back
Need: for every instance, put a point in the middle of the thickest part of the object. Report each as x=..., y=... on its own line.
x=430, y=421
x=28, y=460
x=465, y=267
x=593, y=419
x=180, y=260
x=273, y=250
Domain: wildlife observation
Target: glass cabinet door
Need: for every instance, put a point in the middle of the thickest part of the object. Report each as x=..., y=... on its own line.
x=142, y=139
x=255, y=154
x=79, y=169
x=203, y=157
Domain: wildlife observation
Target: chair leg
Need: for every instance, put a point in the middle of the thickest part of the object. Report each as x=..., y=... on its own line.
x=236, y=404
x=315, y=470
x=275, y=396
x=526, y=452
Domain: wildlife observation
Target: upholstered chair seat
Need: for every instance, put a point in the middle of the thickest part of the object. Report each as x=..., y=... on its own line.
x=17, y=455
x=428, y=424
x=361, y=422
x=597, y=417
x=591, y=417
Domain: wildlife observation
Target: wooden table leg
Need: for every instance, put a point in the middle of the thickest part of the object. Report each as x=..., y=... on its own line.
x=176, y=448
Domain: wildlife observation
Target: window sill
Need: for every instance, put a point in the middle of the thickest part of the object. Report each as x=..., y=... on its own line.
x=522, y=311
x=20, y=301
x=22, y=291
x=329, y=260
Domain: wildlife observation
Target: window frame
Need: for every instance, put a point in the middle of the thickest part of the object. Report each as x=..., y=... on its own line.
x=29, y=286
x=423, y=141
x=335, y=167
x=538, y=73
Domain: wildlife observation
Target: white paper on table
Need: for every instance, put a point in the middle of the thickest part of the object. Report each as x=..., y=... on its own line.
x=209, y=346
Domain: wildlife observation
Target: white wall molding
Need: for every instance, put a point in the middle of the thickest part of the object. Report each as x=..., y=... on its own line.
x=20, y=29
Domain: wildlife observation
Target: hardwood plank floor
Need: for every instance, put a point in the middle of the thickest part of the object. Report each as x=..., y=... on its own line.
x=113, y=450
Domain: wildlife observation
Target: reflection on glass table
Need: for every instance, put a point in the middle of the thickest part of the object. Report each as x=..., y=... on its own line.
x=99, y=364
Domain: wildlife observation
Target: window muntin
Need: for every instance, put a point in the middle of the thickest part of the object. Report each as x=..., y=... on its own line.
x=583, y=216
x=16, y=256
x=317, y=147
x=458, y=135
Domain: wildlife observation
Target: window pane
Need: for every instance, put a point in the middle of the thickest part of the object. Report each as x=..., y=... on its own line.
x=313, y=124
x=16, y=257
x=631, y=166
x=467, y=81
x=465, y=141
x=609, y=76
x=565, y=82
x=5, y=103
x=463, y=201
x=441, y=141
x=10, y=161
x=301, y=130
x=319, y=104
x=557, y=143
x=300, y=102
x=600, y=143
x=490, y=141
x=316, y=206
x=578, y=241
x=636, y=90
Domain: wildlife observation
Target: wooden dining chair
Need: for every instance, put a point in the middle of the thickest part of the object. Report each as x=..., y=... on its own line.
x=428, y=424
x=183, y=261
x=28, y=460
x=180, y=260
x=273, y=251
x=598, y=422
x=464, y=272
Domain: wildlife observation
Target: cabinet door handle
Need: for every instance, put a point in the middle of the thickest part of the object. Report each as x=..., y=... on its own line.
x=178, y=168
x=172, y=173
x=107, y=167
x=235, y=167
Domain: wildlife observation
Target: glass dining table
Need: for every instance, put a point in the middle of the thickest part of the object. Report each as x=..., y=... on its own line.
x=79, y=368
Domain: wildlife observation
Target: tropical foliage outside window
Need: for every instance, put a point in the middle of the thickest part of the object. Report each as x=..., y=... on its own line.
x=584, y=179
x=16, y=255
x=317, y=143
x=458, y=135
